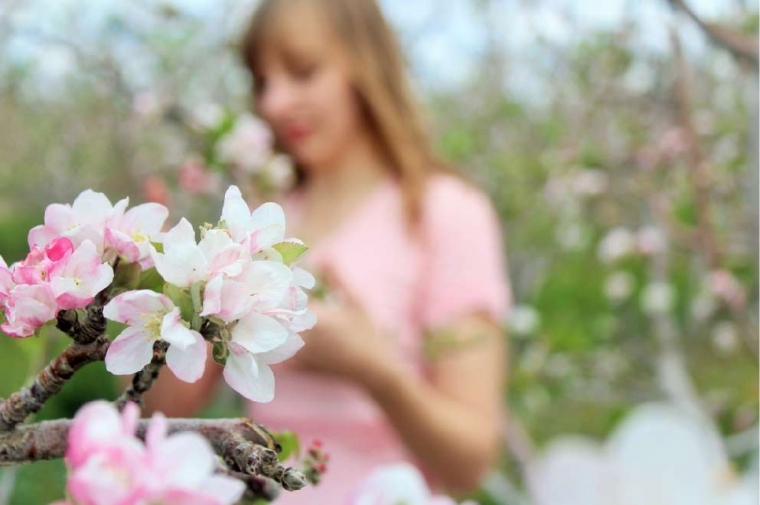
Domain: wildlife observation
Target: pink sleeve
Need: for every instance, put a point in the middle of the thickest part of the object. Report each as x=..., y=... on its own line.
x=465, y=271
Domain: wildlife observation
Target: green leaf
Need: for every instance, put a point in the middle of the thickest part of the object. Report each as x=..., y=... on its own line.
x=151, y=279
x=181, y=299
x=127, y=276
x=291, y=445
x=290, y=251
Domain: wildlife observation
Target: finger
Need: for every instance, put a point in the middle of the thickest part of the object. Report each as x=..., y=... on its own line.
x=347, y=296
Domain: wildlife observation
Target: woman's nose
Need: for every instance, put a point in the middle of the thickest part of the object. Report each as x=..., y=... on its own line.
x=277, y=100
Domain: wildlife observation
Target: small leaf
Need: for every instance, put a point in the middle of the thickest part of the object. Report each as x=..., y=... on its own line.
x=127, y=276
x=159, y=246
x=291, y=445
x=181, y=299
x=151, y=279
x=290, y=251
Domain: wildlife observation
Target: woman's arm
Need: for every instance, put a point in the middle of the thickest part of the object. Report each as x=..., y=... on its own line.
x=451, y=423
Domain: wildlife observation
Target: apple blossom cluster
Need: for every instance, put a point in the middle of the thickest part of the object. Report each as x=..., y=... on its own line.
x=70, y=258
x=108, y=464
x=238, y=287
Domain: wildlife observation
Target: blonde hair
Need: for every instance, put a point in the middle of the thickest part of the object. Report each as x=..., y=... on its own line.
x=380, y=83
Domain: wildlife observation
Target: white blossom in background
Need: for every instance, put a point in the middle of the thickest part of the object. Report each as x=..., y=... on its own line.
x=658, y=298
x=650, y=240
x=280, y=172
x=148, y=105
x=703, y=305
x=658, y=455
x=207, y=115
x=523, y=320
x=619, y=286
x=725, y=286
x=618, y=243
x=591, y=182
x=248, y=145
x=397, y=484
x=572, y=236
x=725, y=337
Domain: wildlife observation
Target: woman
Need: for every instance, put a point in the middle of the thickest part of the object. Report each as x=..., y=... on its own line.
x=412, y=253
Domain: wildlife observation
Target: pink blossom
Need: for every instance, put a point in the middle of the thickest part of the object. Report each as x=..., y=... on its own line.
x=194, y=177
x=39, y=263
x=155, y=189
x=27, y=308
x=185, y=463
x=76, y=281
x=84, y=220
x=260, y=286
x=6, y=281
x=151, y=317
x=725, y=286
x=261, y=228
x=183, y=262
x=131, y=233
x=108, y=465
x=97, y=426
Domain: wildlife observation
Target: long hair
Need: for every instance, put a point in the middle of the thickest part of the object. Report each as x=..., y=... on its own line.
x=380, y=83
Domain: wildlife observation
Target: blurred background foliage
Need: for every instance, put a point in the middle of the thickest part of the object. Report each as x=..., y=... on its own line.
x=625, y=173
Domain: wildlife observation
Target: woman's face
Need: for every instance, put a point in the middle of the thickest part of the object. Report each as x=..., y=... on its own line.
x=303, y=90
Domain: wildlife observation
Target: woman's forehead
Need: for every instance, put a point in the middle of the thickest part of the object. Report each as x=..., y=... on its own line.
x=297, y=29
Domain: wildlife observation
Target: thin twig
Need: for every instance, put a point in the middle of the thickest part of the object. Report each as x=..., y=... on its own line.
x=29, y=400
x=743, y=46
x=93, y=324
x=144, y=379
x=698, y=174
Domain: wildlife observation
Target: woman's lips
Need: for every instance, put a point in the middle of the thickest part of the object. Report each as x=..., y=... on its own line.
x=296, y=133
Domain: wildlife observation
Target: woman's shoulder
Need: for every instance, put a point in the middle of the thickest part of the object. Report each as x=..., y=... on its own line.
x=449, y=197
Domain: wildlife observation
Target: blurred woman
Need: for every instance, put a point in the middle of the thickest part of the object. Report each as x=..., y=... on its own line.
x=412, y=253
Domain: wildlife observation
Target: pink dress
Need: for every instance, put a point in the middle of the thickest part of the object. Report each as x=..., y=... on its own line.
x=407, y=284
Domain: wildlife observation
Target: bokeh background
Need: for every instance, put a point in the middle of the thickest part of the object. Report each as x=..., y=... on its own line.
x=618, y=140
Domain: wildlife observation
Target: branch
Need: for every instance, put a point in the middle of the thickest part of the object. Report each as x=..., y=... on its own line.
x=93, y=325
x=144, y=379
x=743, y=46
x=255, y=487
x=699, y=176
x=28, y=400
x=245, y=447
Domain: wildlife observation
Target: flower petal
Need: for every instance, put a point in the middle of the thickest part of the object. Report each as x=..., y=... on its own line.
x=259, y=333
x=188, y=364
x=236, y=214
x=184, y=460
x=132, y=307
x=292, y=345
x=249, y=379
x=147, y=218
x=181, y=265
x=129, y=352
x=175, y=332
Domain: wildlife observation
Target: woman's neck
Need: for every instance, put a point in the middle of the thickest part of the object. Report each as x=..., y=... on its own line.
x=359, y=169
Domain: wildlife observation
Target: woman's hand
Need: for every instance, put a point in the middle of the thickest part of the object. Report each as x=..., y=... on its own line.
x=344, y=342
